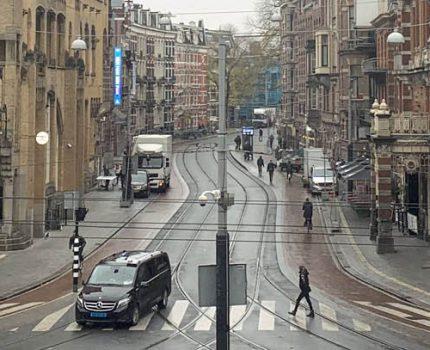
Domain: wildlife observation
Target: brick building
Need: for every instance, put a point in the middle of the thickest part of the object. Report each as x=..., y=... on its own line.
x=46, y=87
x=191, y=71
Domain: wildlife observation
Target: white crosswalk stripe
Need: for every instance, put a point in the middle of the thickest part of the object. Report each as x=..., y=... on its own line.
x=383, y=309
x=49, y=321
x=176, y=315
x=236, y=314
x=266, y=321
x=204, y=323
x=411, y=309
x=6, y=305
x=143, y=323
x=18, y=308
x=360, y=326
x=2, y=256
x=73, y=327
x=328, y=312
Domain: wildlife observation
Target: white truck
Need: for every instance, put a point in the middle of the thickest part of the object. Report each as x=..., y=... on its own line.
x=317, y=172
x=152, y=153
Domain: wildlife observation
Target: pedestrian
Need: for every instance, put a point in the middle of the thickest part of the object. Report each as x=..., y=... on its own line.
x=260, y=165
x=305, y=289
x=118, y=174
x=289, y=171
x=279, y=141
x=260, y=134
x=106, y=173
x=238, y=142
x=271, y=168
x=271, y=138
x=81, y=244
x=308, y=212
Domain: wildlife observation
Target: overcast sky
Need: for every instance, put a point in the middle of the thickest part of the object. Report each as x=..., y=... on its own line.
x=212, y=21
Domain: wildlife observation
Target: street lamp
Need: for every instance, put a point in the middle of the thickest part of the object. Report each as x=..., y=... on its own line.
x=395, y=37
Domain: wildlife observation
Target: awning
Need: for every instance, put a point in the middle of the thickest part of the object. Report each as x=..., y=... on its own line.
x=361, y=173
x=352, y=166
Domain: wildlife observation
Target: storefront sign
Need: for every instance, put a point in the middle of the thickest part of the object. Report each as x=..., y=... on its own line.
x=117, y=74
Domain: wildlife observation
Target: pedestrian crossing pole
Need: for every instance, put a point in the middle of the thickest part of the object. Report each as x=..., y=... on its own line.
x=76, y=261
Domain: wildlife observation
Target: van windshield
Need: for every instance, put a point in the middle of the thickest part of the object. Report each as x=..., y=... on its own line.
x=322, y=173
x=150, y=162
x=113, y=275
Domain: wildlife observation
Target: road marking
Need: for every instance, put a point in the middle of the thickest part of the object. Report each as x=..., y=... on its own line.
x=205, y=321
x=328, y=312
x=423, y=322
x=73, y=327
x=14, y=329
x=411, y=309
x=143, y=323
x=267, y=319
x=383, y=309
x=47, y=323
x=236, y=314
x=360, y=326
x=18, y=308
x=6, y=305
x=300, y=319
x=2, y=256
x=176, y=315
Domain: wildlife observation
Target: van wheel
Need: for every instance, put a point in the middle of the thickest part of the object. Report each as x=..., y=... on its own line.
x=162, y=304
x=135, y=316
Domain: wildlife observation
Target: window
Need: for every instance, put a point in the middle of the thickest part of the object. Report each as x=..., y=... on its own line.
x=324, y=50
x=61, y=33
x=113, y=275
x=1, y=202
x=93, y=50
x=40, y=29
x=143, y=274
x=50, y=42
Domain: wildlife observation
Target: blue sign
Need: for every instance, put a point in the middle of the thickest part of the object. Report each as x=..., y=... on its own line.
x=117, y=77
x=247, y=130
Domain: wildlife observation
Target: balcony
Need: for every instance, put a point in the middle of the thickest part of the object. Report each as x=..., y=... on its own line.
x=410, y=124
x=371, y=67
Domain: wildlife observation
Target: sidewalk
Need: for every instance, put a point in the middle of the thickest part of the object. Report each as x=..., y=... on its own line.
x=402, y=273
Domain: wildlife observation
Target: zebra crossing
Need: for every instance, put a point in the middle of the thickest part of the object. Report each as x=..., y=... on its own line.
x=182, y=313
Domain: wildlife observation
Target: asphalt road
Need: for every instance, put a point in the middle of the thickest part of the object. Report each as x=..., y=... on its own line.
x=189, y=240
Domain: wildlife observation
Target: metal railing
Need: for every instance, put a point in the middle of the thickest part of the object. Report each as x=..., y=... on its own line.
x=410, y=124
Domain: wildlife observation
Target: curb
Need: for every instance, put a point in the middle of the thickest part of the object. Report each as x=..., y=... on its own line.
x=368, y=281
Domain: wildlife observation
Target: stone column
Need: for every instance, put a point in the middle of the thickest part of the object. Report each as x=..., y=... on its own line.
x=373, y=212
x=384, y=239
x=382, y=141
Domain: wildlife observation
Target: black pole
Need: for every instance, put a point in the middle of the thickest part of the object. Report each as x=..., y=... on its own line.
x=222, y=315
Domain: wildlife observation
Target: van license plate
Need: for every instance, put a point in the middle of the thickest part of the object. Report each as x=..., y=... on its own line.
x=98, y=314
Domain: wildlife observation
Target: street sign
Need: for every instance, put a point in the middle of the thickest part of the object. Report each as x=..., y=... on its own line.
x=117, y=76
x=248, y=130
x=237, y=285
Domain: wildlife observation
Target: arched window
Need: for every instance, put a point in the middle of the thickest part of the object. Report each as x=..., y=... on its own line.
x=61, y=36
x=50, y=35
x=93, y=49
x=40, y=29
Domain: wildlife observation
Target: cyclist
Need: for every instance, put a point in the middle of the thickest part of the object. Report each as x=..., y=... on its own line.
x=307, y=213
x=260, y=165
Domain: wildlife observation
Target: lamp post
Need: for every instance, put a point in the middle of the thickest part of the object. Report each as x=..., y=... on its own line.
x=373, y=213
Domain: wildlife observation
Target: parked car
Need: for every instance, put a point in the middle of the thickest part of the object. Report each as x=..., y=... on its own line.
x=123, y=286
x=140, y=184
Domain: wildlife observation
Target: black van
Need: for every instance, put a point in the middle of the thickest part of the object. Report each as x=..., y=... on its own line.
x=123, y=286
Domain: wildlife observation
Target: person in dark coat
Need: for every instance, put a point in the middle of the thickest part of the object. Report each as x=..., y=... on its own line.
x=260, y=165
x=271, y=168
x=271, y=138
x=289, y=171
x=305, y=289
x=260, y=134
x=238, y=142
x=308, y=212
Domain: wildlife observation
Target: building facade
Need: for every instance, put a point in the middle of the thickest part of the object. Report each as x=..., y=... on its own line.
x=44, y=86
x=191, y=72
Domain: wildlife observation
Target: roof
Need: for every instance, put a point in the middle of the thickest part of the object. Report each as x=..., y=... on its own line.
x=129, y=257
